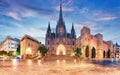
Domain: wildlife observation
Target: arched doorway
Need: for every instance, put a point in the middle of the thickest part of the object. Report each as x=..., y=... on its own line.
x=93, y=52
x=28, y=51
x=104, y=54
x=61, y=50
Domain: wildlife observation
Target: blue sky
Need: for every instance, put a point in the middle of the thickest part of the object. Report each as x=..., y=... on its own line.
x=19, y=17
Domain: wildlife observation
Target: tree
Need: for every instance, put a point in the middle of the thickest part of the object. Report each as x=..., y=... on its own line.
x=108, y=53
x=18, y=50
x=10, y=53
x=93, y=52
x=78, y=52
x=43, y=50
x=87, y=51
x=104, y=54
x=3, y=53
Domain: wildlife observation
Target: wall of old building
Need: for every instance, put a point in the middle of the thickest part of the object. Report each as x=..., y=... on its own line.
x=96, y=41
x=29, y=46
x=54, y=43
x=9, y=44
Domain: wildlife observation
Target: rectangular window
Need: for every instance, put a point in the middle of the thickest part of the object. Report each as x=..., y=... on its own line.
x=28, y=44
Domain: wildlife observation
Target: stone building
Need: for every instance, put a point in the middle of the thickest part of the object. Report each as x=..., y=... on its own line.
x=111, y=47
x=96, y=41
x=116, y=50
x=9, y=44
x=60, y=42
x=29, y=46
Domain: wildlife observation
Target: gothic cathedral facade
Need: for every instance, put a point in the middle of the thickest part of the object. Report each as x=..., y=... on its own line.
x=60, y=42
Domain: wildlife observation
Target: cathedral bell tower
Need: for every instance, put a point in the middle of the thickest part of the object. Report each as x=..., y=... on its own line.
x=60, y=28
x=48, y=35
x=73, y=34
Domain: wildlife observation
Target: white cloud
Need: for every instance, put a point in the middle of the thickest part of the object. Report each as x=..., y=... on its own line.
x=64, y=2
x=36, y=32
x=14, y=15
x=28, y=13
x=106, y=18
x=80, y=25
x=103, y=16
x=68, y=2
x=19, y=13
x=91, y=25
x=83, y=10
x=64, y=8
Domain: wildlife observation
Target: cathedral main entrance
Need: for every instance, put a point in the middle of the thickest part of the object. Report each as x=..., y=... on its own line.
x=61, y=50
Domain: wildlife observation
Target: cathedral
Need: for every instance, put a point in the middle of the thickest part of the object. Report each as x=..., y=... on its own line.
x=60, y=42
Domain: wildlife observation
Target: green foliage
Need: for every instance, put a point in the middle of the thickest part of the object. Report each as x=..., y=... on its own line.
x=43, y=50
x=10, y=53
x=18, y=50
x=108, y=53
x=87, y=51
x=93, y=52
x=3, y=53
x=78, y=52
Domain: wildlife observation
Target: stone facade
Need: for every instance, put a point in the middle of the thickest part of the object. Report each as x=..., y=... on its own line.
x=60, y=42
x=29, y=46
x=116, y=51
x=9, y=44
x=96, y=41
x=63, y=43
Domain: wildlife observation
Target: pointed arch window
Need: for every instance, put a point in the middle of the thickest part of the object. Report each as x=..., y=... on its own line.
x=61, y=29
x=48, y=42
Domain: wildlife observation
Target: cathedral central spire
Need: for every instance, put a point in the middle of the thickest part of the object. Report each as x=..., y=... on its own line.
x=61, y=21
x=60, y=14
x=60, y=28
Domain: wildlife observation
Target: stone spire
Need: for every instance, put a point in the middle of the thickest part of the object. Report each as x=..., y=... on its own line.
x=60, y=14
x=60, y=28
x=48, y=30
x=73, y=34
x=72, y=28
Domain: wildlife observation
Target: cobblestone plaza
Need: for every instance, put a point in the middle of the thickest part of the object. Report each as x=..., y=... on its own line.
x=57, y=67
